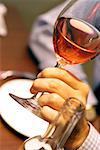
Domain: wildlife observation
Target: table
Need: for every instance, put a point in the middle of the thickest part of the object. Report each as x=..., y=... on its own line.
x=14, y=56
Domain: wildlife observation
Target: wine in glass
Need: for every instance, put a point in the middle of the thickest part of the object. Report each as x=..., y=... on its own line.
x=76, y=40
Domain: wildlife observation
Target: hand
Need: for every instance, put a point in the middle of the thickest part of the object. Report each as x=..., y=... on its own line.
x=61, y=85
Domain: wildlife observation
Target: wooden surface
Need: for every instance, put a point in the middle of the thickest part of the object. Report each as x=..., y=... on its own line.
x=13, y=56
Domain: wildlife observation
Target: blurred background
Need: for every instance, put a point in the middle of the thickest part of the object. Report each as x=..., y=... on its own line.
x=30, y=9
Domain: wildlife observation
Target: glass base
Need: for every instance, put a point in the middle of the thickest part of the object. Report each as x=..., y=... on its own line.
x=35, y=143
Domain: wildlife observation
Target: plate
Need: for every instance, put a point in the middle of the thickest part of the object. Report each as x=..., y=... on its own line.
x=16, y=116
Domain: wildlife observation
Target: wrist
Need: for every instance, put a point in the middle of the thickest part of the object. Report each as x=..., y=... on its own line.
x=78, y=135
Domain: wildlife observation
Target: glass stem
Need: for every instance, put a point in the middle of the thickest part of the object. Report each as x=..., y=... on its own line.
x=59, y=65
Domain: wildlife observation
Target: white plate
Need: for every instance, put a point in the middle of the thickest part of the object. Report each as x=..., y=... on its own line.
x=16, y=116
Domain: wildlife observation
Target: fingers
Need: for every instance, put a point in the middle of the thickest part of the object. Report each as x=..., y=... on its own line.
x=51, y=104
x=60, y=82
x=49, y=114
x=52, y=100
x=52, y=85
x=63, y=75
x=60, y=85
x=66, y=77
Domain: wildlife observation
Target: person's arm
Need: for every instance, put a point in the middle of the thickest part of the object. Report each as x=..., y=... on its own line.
x=60, y=85
x=92, y=142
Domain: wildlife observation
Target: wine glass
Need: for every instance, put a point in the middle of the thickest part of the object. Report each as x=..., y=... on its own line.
x=76, y=37
x=76, y=40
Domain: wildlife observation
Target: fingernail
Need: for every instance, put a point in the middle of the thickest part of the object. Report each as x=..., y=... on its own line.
x=32, y=90
x=39, y=75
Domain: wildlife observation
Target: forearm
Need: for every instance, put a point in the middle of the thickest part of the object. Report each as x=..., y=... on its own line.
x=91, y=141
x=78, y=135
